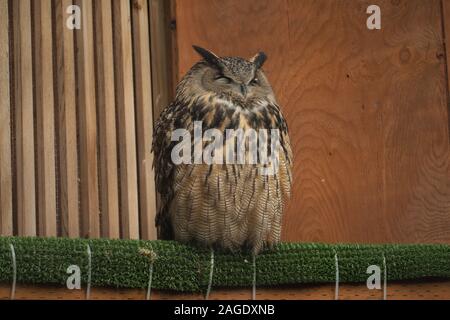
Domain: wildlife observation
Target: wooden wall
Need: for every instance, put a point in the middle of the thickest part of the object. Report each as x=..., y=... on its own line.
x=76, y=120
x=367, y=109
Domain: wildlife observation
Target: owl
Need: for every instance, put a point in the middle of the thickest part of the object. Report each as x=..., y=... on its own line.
x=222, y=204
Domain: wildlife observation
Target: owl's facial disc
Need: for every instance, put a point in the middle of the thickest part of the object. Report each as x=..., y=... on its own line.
x=239, y=88
x=234, y=76
x=219, y=82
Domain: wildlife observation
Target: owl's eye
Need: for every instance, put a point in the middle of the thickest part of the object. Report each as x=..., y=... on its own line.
x=254, y=82
x=222, y=79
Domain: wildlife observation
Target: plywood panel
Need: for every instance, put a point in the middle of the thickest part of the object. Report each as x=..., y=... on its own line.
x=67, y=122
x=337, y=139
x=109, y=194
x=415, y=126
x=87, y=125
x=367, y=109
x=144, y=119
x=359, y=175
x=45, y=122
x=126, y=116
x=24, y=124
x=6, y=210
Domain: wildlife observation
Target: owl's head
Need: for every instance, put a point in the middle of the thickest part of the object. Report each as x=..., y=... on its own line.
x=233, y=76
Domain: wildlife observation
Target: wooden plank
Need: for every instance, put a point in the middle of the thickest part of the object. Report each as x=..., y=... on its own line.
x=87, y=125
x=67, y=123
x=144, y=119
x=405, y=290
x=45, y=122
x=160, y=52
x=171, y=44
x=23, y=104
x=6, y=210
x=367, y=110
x=109, y=193
x=126, y=114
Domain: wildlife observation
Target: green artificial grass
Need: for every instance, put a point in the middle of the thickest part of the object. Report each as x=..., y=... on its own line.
x=125, y=263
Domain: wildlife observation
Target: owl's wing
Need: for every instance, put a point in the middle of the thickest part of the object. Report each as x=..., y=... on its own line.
x=160, y=145
x=287, y=164
x=164, y=167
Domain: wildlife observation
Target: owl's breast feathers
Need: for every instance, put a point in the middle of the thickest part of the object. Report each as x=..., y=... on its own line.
x=204, y=193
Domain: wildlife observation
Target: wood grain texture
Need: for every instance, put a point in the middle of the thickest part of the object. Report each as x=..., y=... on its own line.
x=160, y=52
x=367, y=109
x=126, y=115
x=446, y=30
x=24, y=124
x=109, y=191
x=45, y=122
x=67, y=123
x=89, y=195
x=144, y=119
x=374, y=177
x=410, y=290
x=446, y=33
x=415, y=128
x=6, y=186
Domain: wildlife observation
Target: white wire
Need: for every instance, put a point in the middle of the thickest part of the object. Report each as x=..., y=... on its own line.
x=254, y=278
x=88, y=289
x=211, y=273
x=150, y=276
x=14, y=265
x=336, y=288
x=385, y=279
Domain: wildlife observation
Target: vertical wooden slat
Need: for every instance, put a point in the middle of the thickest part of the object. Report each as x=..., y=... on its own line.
x=172, y=46
x=87, y=122
x=109, y=195
x=23, y=84
x=6, y=213
x=143, y=89
x=67, y=123
x=125, y=106
x=160, y=56
x=43, y=71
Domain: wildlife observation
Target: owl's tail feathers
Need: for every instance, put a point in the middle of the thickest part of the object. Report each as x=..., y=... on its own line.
x=163, y=223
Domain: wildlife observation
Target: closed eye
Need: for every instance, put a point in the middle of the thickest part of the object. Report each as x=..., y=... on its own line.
x=254, y=82
x=222, y=79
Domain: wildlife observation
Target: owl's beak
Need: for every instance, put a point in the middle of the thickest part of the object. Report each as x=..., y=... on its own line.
x=244, y=90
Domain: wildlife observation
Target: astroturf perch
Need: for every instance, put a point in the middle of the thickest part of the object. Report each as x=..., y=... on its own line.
x=121, y=263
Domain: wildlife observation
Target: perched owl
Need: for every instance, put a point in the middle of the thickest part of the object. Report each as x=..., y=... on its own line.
x=228, y=204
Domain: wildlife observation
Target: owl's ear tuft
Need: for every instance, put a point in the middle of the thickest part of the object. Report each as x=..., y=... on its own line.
x=209, y=56
x=259, y=59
